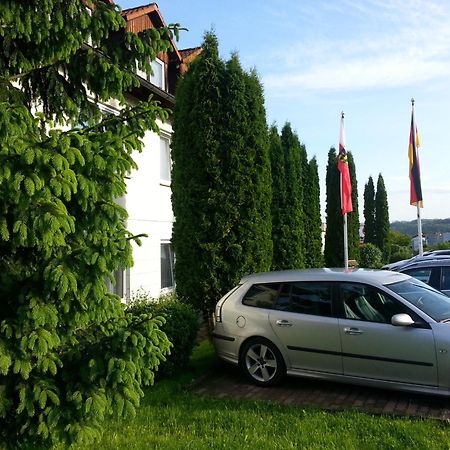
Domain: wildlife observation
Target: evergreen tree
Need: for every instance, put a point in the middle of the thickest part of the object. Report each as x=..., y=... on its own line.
x=221, y=178
x=313, y=223
x=294, y=198
x=334, y=241
x=353, y=224
x=279, y=203
x=382, y=219
x=369, y=212
x=334, y=237
x=70, y=354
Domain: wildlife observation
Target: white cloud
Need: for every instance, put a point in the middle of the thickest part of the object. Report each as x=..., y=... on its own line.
x=393, y=44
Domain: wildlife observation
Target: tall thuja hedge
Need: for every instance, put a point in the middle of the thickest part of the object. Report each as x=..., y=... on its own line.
x=294, y=232
x=221, y=178
x=334, y=237
x=353, y=224
x=382, y=225
x=69, y=353
x=313, y=222
x=279, y=206
x=334, y=241
x=369, y=212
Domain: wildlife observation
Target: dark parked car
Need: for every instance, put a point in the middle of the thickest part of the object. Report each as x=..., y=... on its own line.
x=433, y=271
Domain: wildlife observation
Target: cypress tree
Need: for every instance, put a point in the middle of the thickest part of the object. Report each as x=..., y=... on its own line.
x=382, y=219
x=353, y=224
x=369, y=212
x=334, y=237
x=70, y=354
x=334, y=241
x=294, y=198
x=279, y=207
x=313, y=223
x=221, y=179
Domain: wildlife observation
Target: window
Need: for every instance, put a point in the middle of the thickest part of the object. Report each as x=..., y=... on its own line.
x=306, y=298
x=167, y=263
x=165, y=162
x=445, y=281
x=117, y=288
x=363, y=302
x=157, y=77
x=261, y=295
x=421, y=274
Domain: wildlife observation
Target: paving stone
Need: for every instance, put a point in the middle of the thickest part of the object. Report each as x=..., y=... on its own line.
x=325, y=395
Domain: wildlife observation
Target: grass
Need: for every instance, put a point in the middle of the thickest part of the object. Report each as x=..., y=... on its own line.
x=173, y=418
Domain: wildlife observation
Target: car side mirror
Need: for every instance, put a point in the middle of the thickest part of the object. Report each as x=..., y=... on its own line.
x=402, y=320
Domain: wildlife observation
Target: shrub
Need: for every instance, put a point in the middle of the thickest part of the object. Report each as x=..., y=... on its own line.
x=370, y=257
x=181, y=326
x=400, y=252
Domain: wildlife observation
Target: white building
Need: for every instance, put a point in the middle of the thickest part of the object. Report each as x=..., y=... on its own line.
x=148, y=198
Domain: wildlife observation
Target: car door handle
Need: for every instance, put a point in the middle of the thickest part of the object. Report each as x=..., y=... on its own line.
x=284, y=323
x=352, y=331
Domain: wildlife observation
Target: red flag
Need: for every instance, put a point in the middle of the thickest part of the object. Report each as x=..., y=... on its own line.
x=414, y=166
x=346, y=184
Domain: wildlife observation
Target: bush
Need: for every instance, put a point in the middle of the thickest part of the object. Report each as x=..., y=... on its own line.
x=181, y=327
x=400, y=253
x=371, y=257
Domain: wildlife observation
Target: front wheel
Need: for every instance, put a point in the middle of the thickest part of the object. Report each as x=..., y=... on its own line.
x=262, y=362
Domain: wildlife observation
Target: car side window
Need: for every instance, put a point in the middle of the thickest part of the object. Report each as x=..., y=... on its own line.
x=445, y=281
x=361, y=302
x=306, y=298
x=420, y=274
x=262, y=295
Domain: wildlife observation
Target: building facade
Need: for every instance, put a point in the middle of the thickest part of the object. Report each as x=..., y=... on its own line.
x=148, y=198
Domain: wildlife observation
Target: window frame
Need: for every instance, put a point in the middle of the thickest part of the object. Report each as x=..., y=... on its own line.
x=161, y=66
x=163, y=180
x=171, y=261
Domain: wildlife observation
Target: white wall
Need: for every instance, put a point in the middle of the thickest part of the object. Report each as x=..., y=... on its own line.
x=149, y=211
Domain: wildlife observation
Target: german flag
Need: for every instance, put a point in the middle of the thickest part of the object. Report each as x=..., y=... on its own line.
x=414, y=165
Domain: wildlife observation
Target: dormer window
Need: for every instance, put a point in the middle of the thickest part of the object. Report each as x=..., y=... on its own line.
x=158, y=76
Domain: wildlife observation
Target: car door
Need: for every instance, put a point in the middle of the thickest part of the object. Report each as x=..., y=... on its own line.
x=304, y=322
x=374, y=348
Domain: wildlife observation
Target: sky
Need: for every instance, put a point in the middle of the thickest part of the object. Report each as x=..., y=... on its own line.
x=368, y=58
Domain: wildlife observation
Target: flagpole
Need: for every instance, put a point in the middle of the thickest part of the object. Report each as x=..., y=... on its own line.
x=419, y=219
x=419, y=230
x=345, y=243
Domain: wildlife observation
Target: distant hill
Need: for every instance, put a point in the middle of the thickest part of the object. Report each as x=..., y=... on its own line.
x=429, y=226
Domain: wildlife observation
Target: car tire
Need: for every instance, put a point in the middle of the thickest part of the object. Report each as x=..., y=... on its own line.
x=262, y=362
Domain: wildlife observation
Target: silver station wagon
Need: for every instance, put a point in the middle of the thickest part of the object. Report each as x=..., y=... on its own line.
x=370, y=327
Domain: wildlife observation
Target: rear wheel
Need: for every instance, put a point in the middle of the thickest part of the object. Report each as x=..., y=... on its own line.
x=262, y=362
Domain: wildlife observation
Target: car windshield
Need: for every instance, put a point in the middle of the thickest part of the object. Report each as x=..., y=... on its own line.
x=432, y=302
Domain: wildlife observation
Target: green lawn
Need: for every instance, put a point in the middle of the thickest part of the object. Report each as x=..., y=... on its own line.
x=173, y=418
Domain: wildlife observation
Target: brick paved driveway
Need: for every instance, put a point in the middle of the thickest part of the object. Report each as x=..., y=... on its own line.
x=227, y=381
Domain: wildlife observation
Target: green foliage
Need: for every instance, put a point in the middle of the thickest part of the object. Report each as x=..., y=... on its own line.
x=279, y=205
x=400, y=245
x=221, y=178
x=429, y=226
x=294, y=154
x=334, y=241
x=180, y=326
x=334, y=237
x=371, y=257
x=369, y=212
x=313, y=222
x=439, y=246
x=382, y=219
x=69, y=353
x=353, y=224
